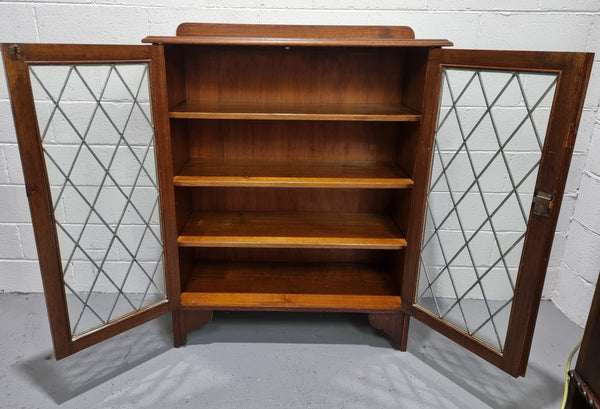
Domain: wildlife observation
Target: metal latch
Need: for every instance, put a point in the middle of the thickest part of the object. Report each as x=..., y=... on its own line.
x=542, y=203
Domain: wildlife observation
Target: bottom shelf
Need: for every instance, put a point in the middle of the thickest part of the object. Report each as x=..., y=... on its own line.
x=279, y=286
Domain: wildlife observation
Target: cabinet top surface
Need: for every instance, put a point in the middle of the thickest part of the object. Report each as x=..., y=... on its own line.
x=296, y=35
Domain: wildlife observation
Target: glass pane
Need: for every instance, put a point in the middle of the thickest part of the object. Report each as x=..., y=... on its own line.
x=98, y=140
x=488, y=144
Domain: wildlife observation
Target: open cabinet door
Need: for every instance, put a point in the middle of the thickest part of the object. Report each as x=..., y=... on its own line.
x=92, y=129
x=500, y=129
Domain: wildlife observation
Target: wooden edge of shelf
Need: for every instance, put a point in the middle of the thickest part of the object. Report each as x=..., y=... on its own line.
x=296, y=116
x=254, y=301
x=306, y=42
x=291, y=230
x=292, y=242
x=340, y=183
x=300, y=174
x=300, y=111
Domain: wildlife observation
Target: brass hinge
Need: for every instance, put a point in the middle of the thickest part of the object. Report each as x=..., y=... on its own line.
x=15, y=50
x=542, y=203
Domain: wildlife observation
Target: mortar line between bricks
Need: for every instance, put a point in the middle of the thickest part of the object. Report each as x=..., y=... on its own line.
x=37, y=28
x=589, y=36
x=5, y=161
x=591, y=175
x=586, y=227
x=20, y=236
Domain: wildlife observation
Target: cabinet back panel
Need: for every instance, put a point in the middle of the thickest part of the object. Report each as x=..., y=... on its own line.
x=295, y=255
x=318, y=75
x=293, y=140
x=289, y=199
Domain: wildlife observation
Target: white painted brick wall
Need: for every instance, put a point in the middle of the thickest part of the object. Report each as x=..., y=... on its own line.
x=553, y=25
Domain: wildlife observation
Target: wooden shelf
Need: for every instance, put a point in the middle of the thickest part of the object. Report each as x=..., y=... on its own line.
x=290, y=286
x=293, y=173
x=291, y=230
x=298, y=111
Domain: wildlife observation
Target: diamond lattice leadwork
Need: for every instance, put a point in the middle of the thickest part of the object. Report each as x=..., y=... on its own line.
x=489, y=137
x=98, y=140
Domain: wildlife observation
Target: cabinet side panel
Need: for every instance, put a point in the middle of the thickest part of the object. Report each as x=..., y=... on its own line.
x=175, y=68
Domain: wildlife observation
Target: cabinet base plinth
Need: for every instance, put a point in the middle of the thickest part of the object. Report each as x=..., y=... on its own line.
x=394, y=324
x=185, y=321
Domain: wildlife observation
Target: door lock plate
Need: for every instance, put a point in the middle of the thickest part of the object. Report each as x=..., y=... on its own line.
x=542, y=203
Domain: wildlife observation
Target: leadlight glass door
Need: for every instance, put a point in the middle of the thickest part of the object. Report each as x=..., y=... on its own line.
x=501, y=128
x=92, y=131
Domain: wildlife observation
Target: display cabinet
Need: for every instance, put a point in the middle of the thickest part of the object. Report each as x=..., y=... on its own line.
x=296, y=168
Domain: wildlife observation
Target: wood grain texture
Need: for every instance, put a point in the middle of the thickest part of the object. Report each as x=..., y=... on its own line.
x=294, y=255
x=164, y=174
x=295, y=81
x=331, y=174
x=175, y=69
x=394, y=324
x=294, y=31
x=39, y=197
x=187, y=321
x=38, y=188
x=297, y=42
x=290, y=230
x=291, y=111
x=573, y=70
x=295, y=35
x=278, y=199
x=294, y=140
x=287, y=286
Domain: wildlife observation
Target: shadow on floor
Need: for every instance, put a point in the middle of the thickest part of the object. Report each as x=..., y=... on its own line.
x=74, y=375
x=480, y=378
x=289, y=327
x=407, y=377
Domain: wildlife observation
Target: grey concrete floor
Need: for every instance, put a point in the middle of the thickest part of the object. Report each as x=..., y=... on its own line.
x=270, y=360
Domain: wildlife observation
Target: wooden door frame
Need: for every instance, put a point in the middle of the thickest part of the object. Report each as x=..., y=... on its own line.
x=17, y=58
x=573, y=70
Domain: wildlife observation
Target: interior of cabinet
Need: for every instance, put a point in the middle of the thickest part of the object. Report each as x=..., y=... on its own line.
x=293, y=172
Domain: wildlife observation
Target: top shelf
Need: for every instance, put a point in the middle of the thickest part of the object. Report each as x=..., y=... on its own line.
x=295, y=35
x=298, y=42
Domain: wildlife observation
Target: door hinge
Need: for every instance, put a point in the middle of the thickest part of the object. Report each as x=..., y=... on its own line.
x=542, y=203
x=570, y=142
x=15, y=50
